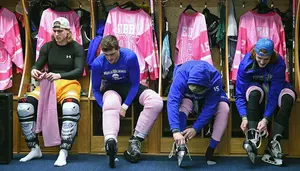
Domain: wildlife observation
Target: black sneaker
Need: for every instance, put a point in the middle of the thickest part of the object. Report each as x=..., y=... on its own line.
x=111, y=150
x=133, y=153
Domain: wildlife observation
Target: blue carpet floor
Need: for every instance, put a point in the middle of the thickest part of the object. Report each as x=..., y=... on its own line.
x=148, y=163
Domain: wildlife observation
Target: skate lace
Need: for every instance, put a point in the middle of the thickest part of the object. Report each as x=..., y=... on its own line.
x=174, y=151
x=135, y=145
x=276, y=145
x=258, y=136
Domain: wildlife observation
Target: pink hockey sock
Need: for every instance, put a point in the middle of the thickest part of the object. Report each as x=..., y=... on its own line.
x=221, y=120
x=153, y=105
x=111, y=114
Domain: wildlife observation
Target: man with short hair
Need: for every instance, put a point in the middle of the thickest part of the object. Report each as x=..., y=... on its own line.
x=121, y=71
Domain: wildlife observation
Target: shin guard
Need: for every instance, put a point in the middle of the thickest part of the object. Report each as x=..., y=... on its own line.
x=153, y=105
x=111, y=114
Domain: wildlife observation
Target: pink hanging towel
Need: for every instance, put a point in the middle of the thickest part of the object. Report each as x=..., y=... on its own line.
x=47, y=119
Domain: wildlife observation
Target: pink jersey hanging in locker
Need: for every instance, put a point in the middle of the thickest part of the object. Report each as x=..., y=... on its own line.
x=254, y=26
x=45, y=29
x=192, y=39
x=10, y=48
x=133, y=29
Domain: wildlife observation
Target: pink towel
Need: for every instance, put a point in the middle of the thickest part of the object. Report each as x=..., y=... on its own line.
x=47, y=119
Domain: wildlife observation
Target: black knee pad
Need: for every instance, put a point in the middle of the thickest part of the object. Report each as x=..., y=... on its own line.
x=70, y=100
x=254, y=95
x=253, y=106
x=29, y=99
x=284, y=112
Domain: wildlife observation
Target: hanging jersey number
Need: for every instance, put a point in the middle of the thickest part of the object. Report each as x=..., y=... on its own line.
x=205, y=47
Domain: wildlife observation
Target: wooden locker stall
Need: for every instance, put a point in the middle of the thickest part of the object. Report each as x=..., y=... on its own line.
x=173, y=9
x=236, y=136
x=82, y=143
x=295, y=118
x=127, y=124
x=19, y=80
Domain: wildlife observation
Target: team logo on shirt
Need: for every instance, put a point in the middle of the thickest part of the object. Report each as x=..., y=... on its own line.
x=68, y=56
x=115, y=76
x=262, y=78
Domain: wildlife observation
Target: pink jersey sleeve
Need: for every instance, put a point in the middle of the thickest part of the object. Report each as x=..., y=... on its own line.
x=108, y=29
x=154, y=72
x=13, y=45
x=44, y=34
x=241, y=49
x=146, y=45
x=78, y=36
x=283, y=53
x=178, y=41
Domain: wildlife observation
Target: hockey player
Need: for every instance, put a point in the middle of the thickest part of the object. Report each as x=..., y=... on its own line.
x=261, y=85
x=65, y=59
x=121, y=71
x=196, y=81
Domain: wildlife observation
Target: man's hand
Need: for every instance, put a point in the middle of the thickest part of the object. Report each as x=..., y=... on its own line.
x=262, y=125
x=36, y=74
x=189, y=133
x=244, y=124
x=178, y=138
x=52, y=76
x=122, y=112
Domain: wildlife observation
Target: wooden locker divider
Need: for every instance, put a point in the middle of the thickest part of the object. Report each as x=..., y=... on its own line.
x=296, y=48
x=294, y=122
x=155, y=132
x=24, y=84
x=223, y=147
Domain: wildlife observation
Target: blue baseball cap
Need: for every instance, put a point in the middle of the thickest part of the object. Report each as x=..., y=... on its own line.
x=265, y=44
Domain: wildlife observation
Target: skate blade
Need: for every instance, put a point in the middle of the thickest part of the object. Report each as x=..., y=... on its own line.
x=211, y=162
x=112, y=157
x=269, y=159
x=252, y=157
x=180, y=158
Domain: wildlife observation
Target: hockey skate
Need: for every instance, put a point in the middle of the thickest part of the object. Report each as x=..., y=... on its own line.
x=252, y=143
x=180, y=151
x=273, y=154
x=111, y=150
x=133, y=154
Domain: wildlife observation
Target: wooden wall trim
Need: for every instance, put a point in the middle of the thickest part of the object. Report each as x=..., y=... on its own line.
x=25, y=81
x=297, y=75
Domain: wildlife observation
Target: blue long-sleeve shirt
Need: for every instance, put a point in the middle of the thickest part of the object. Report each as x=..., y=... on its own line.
x=125, y=72
x=199, y=73
x=273, y=74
